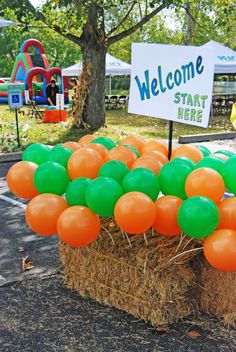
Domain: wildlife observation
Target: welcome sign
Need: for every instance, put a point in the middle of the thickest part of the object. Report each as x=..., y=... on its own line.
x=172, y=82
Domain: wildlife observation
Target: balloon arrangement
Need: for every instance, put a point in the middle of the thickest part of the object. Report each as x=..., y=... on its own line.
x=72, y=185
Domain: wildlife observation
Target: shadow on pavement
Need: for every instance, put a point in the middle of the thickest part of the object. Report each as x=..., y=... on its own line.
x=44, y=316
x=39, y=314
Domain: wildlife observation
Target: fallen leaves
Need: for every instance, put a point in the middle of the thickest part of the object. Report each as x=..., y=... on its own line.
x=162, y=330
x=26, y=264
x=20, y=249
x=194, y=334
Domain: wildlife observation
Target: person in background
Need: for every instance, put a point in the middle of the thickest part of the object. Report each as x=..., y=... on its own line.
x=75, y=85
x=51, y=92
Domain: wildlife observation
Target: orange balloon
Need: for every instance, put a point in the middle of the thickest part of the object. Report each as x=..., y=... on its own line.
x=126, y=155
x=156, y=156
x=85, y=140
x=85, y=162
x=78, y=226
x=188, y=151
x=220, y=156
x=43, y=211
x=20, y=179
x=166, y=222
x=135, y=141
x=150, y=164
x=99, y=148
x=135, y=212
x=227, y=209
x=72, y=146
x=173, y=149
x=157, y=145
x=220, y=249
x=205, y=182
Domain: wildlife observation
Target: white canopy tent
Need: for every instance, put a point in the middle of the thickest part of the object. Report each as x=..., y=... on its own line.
x=6, y=23
x=114, y=67
x=225, y=58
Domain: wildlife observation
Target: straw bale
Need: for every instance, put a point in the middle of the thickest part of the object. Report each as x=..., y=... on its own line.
x=217, y=292
x=139, y=279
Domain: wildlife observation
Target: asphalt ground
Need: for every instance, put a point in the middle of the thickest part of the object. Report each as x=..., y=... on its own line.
x=39, y=314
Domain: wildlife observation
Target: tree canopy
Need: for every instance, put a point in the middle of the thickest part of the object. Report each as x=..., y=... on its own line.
x=211, y=19
x=60, y=51
x=96, y=25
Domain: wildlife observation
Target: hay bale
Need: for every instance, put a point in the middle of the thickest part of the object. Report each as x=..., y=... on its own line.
x=139, y=279
x=217, y=292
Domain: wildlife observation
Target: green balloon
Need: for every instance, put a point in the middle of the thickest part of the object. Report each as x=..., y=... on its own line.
x=142, y=180
x=225, y=152
x=205, y=151
x=172, y=177
x=229, y=174
x=198, y=217
x=60, y=155
x=51, y=177
x=102, y=195
x=76, y=191
x=57, y=146
x=114, y=169
x=212, y=162
x=37, y=153
x=107, y=142
x=185, y=161
x=133, y=149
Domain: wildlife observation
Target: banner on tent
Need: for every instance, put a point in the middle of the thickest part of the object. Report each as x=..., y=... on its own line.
x=172, y=82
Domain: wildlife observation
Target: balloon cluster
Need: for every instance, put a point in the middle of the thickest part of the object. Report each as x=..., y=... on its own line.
x=73, y=184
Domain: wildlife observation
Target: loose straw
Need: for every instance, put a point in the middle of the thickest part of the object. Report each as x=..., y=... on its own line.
x=180, y=254
x=108, y=234
x=182, y=237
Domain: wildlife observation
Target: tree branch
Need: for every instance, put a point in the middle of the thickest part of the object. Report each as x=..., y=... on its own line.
x=123, y=20
x=134, y=28
x=39, y=16
x=73, y=38
x=140, y=11
x=192, y=17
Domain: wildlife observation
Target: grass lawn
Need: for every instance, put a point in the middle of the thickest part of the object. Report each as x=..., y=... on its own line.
x=119, y=124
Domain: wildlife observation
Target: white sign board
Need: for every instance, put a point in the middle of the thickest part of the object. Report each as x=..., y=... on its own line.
x=15, y=100
x=60, y=101
x=27, y=97
x=172, y=82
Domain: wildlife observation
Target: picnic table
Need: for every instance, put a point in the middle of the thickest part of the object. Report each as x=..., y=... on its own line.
x=222, y=103
x=116, y=101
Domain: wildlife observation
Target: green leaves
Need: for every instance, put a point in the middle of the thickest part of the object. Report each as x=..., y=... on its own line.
x=60, y=52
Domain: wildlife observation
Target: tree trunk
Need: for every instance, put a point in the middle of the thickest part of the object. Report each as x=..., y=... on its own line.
x=190, y=26
x=94, y=58
x=91, y=102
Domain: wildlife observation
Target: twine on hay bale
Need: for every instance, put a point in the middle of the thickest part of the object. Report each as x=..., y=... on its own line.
x=139, y=277
x=217, y=292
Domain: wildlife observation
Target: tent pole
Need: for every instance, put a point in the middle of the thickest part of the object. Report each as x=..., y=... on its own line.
x=110, y=86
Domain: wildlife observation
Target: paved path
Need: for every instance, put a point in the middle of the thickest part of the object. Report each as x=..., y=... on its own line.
x=229, y=144
x=39, y=314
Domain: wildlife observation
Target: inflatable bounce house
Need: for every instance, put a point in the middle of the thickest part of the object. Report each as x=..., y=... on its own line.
x=33, y=72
